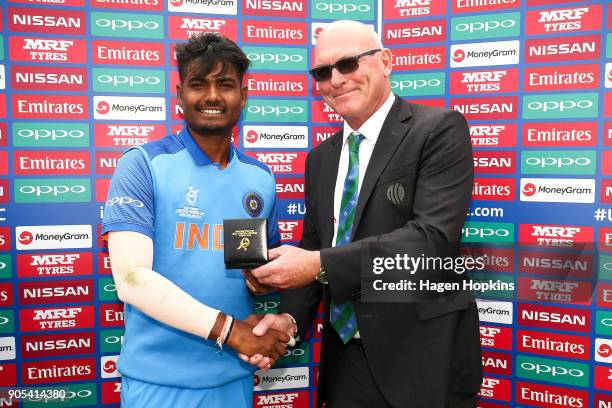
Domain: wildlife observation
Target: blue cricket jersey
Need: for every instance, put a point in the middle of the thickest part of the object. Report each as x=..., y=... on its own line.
x=170, y=191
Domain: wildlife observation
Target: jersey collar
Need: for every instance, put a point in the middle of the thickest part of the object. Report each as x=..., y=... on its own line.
x=198, y=155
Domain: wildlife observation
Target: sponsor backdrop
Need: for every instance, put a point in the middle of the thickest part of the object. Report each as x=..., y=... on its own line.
x=82, y=80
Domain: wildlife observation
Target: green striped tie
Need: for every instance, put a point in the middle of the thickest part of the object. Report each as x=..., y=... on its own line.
x=342, y=316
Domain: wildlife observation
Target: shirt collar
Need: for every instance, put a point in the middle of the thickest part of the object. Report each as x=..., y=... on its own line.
x=371, y=128
x=196, y=152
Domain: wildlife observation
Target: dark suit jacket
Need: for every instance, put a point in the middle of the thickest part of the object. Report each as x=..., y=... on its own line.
x=422, y=355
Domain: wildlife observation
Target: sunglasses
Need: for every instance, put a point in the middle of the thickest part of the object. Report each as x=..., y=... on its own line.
x=344, y=65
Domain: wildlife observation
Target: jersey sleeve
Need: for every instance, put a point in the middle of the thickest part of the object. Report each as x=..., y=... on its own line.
x=273, y=232
x=130, y=202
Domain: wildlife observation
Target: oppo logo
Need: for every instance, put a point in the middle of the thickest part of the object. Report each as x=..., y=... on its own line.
x=54, y=134
x=3, y=320
x=124, y=200
x=110, y=287
x=130, y=80
x=126, y=24
x=553, y=371
x=415, y=84
x=275, y=110
x=485, y=232
x=606, y=321
x=55, y=191
x=557, y=162
x=2, y=265
x=298, y=352
x=114, y=340
x=275, y=58
x=607, y=266
x=267, y=305
x=69, y=395
x=484, y=25
x=560, y=106
x=332, y=8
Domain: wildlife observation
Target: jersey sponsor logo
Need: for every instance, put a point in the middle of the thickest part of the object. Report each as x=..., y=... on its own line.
x=276, y=8
x=54, y=264
x=433, y=57
x=558, y=190
x=491, y=108
x=49, y=50
x=494, y=162
x=554, y=317
x=53, y=237
x=48, y=21
x=550, y=396
x=274, y=32
x=52, y=371
x=49, y=78
x=470, y=6
x=485, y=54
x=57, y=344
x=183, y=27
x=496, y=388
x=282, y=163
x=562, y=49
x=410, y=32
x=559, y=134
x=413, y=8
x=51, y=162
x=129, y=108
x=203, y=6
x=282, y=378
x=265, y=84
x=50, y=107
x=57, y=318
x=563, y=20
x=55, y=292
x=127, y=53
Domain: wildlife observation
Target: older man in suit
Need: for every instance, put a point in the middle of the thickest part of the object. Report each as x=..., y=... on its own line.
x=377, y=355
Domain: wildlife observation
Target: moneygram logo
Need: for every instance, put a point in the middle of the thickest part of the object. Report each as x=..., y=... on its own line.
x=342, y=10
x=275, y=110
x=558, y=106
x=485, y=54
x=609, y=75
x=127, y=25
x=279, y=8
x=282, y=378
x=579, y=162
x=129, y=108
x=495, y=312
x=275, y=136
x=603, y=350
x=109, y=367
x=50, y=134
x=492, y=232
x=53, y=237
x=52, y=190
x=128, y=80
x=203, y=6
x=418, y=84
x=556, y=371
x=277, y=59
x=7, y=348
x=487, y=26
x=558, y=190
x=410, y=32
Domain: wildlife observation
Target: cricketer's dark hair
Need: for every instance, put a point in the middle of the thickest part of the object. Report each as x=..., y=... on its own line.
x=210, y=50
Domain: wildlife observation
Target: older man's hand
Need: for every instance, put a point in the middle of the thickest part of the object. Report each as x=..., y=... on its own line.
x=289, y=267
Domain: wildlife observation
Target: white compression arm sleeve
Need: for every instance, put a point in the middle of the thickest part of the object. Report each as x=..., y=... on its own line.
x=131, y=255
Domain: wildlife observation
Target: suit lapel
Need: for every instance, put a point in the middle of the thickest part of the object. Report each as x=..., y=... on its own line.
x=391, y=134
x=328, y=173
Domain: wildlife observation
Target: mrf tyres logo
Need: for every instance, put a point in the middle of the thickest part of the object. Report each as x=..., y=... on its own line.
x=129, y=108
x=53, y=237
